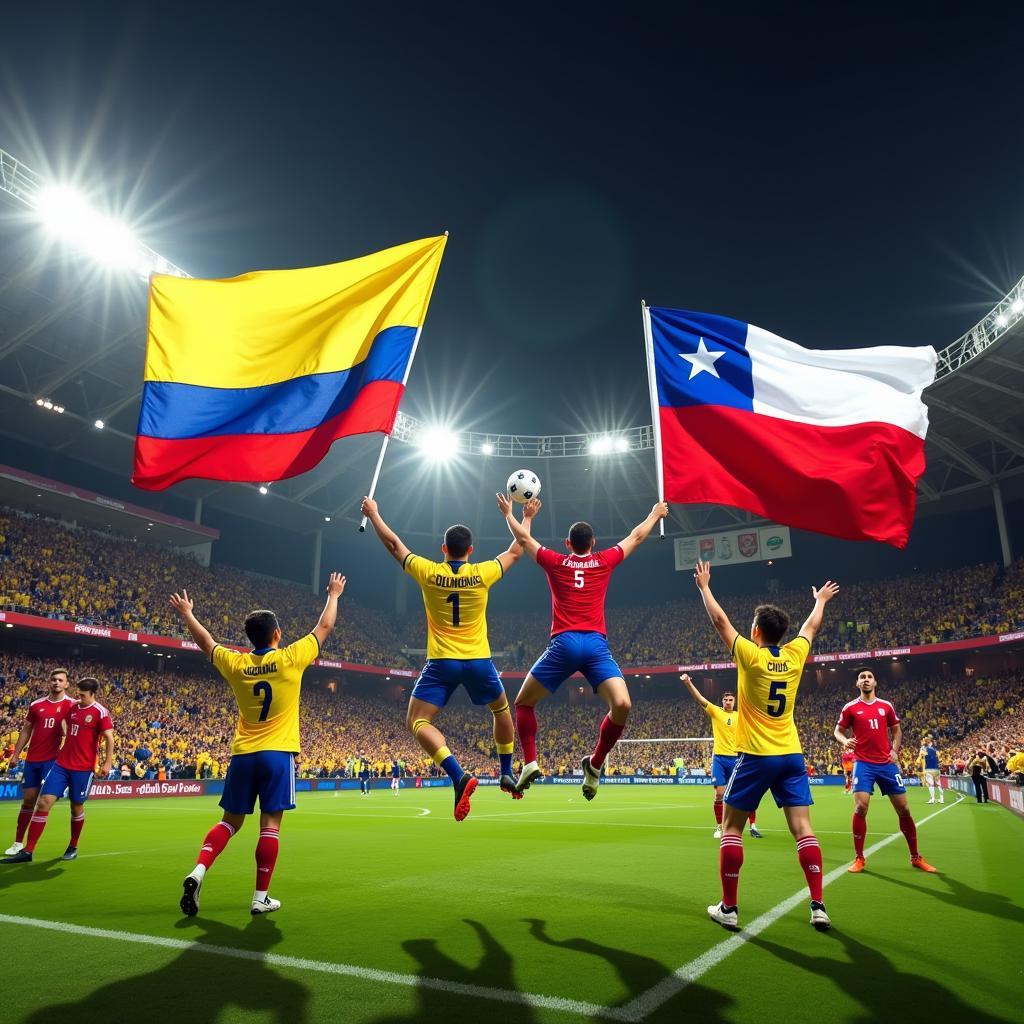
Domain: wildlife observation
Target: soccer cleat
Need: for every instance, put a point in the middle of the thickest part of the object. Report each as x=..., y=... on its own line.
x=71, y=853
x=13, y=849
x=508, y=785
x=857, y=866
x=264, y=906
x=755, y=834
x=529, y=775
x=819, y=918
x=591, y=779
x=717, y=834
x=729, y=919
x=932, y=800
x=464, y=789
x=190, y=895
x=21, y=857
x=922, y=865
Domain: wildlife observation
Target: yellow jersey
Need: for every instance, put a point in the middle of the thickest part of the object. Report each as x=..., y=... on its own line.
x=767, y=684
x=266, y=686
x=455, y=600
x=723, y=728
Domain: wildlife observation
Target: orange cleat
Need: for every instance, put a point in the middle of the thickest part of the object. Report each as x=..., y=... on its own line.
x=922, y=865
x=857, y=866
x=463, y=791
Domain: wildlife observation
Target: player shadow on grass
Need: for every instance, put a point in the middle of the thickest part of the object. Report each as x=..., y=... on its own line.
x=639, y=974
x=433, y=1003
x=36, y=871
x=964, y=897
x=885, y=992
x=195, y=987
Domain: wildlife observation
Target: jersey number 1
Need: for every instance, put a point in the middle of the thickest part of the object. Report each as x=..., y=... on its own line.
x=453, y=600
x=268, y=696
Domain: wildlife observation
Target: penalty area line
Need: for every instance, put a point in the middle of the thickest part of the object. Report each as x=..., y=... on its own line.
x=499, y=995
x=656, y=996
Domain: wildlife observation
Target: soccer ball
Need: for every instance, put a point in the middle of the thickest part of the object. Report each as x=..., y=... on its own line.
x=522, y=486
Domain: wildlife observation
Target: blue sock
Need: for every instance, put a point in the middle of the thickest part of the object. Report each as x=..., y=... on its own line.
x=506, y=763
x=452, y=767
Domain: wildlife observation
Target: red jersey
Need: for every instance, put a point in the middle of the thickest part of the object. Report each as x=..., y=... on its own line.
x=871, y=723
x=47, y=720
x=578, y=585
x=848, y=758
x=85, y=727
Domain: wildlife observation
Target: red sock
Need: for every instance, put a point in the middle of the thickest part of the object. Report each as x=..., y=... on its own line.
x=909, y=830
x=860, y=830
x=35, y=829
x=526, y=726
x=718, y=811
x=24, y=817
x=753, y=817
x=808, y=852
x=215, y=841
x=77, y=824
x=730, y=860
x=266, y=857
x=607, y=736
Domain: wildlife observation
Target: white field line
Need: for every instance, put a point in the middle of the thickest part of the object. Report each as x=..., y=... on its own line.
x=500, y=995
x=646, y=1003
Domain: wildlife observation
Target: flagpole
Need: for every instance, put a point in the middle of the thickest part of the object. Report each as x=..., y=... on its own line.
x=655, y=418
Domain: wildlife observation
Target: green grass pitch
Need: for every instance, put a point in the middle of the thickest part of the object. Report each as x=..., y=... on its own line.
x=545, y=910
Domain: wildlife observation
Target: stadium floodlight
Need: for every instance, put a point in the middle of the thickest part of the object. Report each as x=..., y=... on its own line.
x=1017, y=305
x=66, y=214
x=438, y=443
x=99, y=425
x=487, y=448
x=327, y=519
x=621, y=444
x=1001, y=320
x=600, y=445
x=264, y=489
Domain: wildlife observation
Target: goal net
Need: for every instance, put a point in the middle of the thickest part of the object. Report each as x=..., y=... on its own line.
x=661, y=755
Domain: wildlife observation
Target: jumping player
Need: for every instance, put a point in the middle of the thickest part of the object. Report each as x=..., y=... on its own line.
x=458, y=653
x=266, y=683
x=41, y=734
x=870, y=728
x=769, y=755
x=723, y=757
x=579, y=637
x=87, y=725
x=928, y=759
x=847, y=759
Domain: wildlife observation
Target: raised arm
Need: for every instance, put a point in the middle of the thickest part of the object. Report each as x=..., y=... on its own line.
x=694, y=692
x=822, y=596
x=387, y=536
x=328, y=617
x=726, y=630
x=183, y=605
x=515, y=549
x=641, y=532
x=521, y=530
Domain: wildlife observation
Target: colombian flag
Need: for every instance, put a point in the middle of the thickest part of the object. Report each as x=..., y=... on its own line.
x=253, y=378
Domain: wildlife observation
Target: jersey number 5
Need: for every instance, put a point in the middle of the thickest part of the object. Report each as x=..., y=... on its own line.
x=578, y=584
x=268, y=696
x=776, y=695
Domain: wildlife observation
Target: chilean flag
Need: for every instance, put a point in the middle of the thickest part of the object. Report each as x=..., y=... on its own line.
x=830, y=441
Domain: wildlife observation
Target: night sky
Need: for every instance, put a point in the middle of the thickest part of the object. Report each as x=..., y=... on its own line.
x=839, y=174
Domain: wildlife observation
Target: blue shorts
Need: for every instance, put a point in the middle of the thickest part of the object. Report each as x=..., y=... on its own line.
x=890, y=782
x=441, y=677
x=721, y=769
x=572, y=652
x=35, y=772
x=59, y=778
x=784, y=774
x=267, y=774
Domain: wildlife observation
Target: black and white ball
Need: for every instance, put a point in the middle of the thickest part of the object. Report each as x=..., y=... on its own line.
x=522, y=486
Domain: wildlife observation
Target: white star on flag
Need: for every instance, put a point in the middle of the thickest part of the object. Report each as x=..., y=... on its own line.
x=702, y=361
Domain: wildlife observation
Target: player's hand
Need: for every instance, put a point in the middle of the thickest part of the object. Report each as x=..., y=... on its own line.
x=894, y=757
x=684, y=678
x=182, y=603
x=702, y=574
x=849, y=743
x=368, y=507
x=336, y=585
x=531, y=508
x=660, y=510
x=825, y=592
x=504, y=504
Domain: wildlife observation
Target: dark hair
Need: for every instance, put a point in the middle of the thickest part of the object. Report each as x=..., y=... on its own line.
x=581, y=537
x=59, y=671
x=863, y=668
x=260, y=627
x=89, y=684
x=728, y=693
x=772, y=621
x=458, y=540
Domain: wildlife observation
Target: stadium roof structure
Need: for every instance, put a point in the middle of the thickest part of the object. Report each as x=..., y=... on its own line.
x=72, y=337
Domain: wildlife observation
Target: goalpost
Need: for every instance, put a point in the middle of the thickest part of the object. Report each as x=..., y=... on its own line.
x=679, y=742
